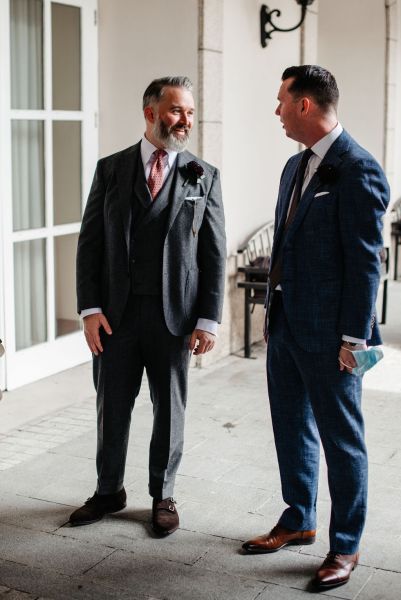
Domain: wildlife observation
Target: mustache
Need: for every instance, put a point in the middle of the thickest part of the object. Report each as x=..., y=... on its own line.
x=180, y=128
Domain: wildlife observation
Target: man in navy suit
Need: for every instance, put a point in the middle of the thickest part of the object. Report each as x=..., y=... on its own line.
x=323, y=282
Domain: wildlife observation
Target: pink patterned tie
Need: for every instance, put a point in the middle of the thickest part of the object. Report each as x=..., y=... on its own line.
x=155, y=180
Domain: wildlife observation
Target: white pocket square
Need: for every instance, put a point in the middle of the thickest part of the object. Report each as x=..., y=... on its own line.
x=194, y=197
x=321, y=194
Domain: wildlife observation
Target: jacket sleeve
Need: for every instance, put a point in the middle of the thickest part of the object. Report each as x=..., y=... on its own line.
x=90, y=246
x=212, y=255
x=363, y=199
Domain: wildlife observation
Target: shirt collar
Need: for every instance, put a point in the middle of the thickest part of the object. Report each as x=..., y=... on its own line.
x=147, y=149
x=322, y=146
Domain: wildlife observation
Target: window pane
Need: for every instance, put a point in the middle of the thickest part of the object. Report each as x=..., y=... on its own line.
x=30, y=293
x=65, y=249
x=66, y=171
x=26, y=53
x=28, y=174
x=66, y=53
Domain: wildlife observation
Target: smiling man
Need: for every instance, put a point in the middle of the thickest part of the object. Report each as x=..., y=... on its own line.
x=323, y=281
x=150, y=282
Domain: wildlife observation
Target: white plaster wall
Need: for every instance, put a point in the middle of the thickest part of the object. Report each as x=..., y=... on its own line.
x=255, y=147
x=351, y=44
x=139, y=41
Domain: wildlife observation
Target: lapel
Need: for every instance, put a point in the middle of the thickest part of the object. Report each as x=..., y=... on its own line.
x=180, y=187
x=126, y=168
x=332, y=157
x=286, y=193
x=286, y=189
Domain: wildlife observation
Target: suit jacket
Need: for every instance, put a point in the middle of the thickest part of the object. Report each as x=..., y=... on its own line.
x=330, y=253
x=194, y=252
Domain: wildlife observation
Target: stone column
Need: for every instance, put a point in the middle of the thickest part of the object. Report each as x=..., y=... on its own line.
x=390, y=93
x=210, y=56
x=210, y=123
x=309, y=36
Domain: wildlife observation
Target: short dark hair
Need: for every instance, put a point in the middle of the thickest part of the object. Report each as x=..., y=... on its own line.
x=155, y=89
x=319, y=83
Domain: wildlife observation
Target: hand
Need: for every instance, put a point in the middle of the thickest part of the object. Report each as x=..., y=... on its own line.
x=92, y=325
x=201, y=341
x=345, y=357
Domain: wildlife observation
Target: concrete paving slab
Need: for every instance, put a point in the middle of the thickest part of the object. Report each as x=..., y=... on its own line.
x=291, y=569
x=49, y=551
x=170, y=580
x=255, y=475
x=16, y=595
x=136, y=536
x=193, y=465
x=218, y=493
x=383, y=585
x=280, y=592
x=45, y=584
x=31, y=513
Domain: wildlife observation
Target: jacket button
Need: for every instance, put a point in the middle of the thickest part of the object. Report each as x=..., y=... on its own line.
x=133, y=260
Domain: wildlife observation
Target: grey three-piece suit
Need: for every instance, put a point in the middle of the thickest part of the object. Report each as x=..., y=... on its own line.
x=154, y=267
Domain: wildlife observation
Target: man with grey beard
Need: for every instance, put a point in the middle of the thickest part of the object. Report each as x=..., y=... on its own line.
x=150, y=283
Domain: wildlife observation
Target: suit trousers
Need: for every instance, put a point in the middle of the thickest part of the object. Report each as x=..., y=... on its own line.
x=142, y=341
x=310, y=398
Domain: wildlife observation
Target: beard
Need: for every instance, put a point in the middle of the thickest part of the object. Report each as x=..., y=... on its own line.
x=166, y=136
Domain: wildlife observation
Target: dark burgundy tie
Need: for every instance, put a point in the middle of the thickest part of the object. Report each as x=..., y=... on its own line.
x=275, y=273
x=155, y=179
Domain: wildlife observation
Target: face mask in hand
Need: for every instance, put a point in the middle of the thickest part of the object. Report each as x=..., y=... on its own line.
x=366, y=359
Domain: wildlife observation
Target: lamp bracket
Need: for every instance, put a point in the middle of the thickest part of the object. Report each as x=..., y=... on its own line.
x=267, y=15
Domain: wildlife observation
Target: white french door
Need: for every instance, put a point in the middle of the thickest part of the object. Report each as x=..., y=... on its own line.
x=48, y=150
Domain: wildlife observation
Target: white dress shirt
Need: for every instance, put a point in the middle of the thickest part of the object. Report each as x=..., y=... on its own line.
x=320, y=150
x=147, y=150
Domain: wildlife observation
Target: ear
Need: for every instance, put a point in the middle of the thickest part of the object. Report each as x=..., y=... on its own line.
x=305, y=106
x=149, y=114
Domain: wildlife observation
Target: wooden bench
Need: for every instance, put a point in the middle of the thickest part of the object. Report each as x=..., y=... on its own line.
x=384, y=275
x=255, y=258
x=396, y=233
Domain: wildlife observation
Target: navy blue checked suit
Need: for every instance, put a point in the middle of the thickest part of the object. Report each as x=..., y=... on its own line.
x=330, y=275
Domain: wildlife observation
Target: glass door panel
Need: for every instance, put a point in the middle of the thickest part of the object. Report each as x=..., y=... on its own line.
x=28, y=174
x=66, y=57
x=30, y=293
x=67, y=188
x=26, y=41
x=65, y=250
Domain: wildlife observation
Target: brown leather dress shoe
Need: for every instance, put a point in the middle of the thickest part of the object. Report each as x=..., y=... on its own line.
x=165, y=518
x=335, y=570
x=96, y=507
x=278, y=538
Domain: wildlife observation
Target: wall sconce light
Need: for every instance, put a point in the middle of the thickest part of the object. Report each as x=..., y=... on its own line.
x=266, y=16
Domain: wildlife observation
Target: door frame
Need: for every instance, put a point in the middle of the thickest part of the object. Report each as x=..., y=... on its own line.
x=57, y=353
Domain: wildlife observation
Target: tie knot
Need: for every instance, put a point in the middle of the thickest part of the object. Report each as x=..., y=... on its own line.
x=159, y=154
x=307, y=154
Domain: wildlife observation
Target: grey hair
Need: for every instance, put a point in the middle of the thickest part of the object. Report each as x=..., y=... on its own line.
x=155, y=89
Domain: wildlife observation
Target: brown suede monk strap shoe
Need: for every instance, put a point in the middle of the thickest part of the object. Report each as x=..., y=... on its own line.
x=96, y=507
x=335, y=570
x=165, y=518
x=278, y=538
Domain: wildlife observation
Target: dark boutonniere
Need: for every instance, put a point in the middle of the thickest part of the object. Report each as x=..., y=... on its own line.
x=327, y=173
x=194, y=172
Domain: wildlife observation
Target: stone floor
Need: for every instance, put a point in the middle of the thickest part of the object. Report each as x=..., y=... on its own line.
x=227, y=490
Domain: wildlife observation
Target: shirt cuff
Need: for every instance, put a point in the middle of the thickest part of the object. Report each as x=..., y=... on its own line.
x=90, y=311
x=207, y=325
x=348, y=338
